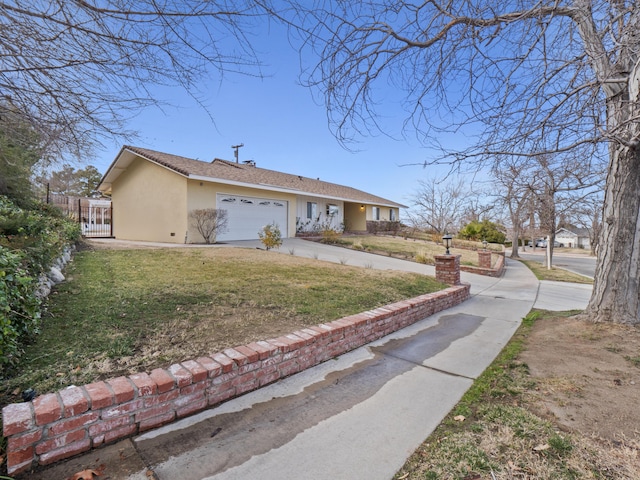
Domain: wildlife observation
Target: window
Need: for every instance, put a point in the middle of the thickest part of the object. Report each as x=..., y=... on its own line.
x=312, y=210
x=392, y=215
x=376, y=213
x=332, y=210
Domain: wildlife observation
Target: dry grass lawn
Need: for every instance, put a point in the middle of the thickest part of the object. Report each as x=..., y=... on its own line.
x=559, y=402
x=129, y=310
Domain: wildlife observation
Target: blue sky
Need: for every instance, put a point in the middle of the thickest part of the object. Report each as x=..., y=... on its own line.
x=281, y=127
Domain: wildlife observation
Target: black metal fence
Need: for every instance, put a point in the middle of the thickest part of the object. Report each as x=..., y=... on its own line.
x=94, y=216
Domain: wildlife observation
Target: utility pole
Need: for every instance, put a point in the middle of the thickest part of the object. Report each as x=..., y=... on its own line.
x=236, y=148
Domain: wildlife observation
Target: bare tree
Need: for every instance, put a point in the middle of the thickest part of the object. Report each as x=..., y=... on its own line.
x=559, y=185
x=209, y=222
x=77, y=70
x=588, y=216
x=515, y=195
x=534, y=78
x=439, y=205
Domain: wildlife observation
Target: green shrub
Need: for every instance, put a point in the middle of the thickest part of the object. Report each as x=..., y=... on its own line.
x=270, y=236
x=485, y=230
x=19, y=306
x=30, y=242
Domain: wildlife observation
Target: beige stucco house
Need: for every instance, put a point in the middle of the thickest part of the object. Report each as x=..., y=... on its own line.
x=153, y=192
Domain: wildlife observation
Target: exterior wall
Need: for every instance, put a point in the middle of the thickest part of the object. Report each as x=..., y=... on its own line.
x=568, y=239
x=60, y=425
x=385, y=213
x=355, y=219
x=584, y=242
x=304, y=224
x=203, y=195
x=149, y=203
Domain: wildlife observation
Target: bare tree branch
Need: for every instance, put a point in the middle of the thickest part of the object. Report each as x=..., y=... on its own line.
x=553, y=79
x=78, y=70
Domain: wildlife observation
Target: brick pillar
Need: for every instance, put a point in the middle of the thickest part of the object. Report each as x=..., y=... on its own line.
x=484, y=259
x=448, y=269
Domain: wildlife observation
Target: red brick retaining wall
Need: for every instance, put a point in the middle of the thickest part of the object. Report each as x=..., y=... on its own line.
x=74, y=420
x=496, y=271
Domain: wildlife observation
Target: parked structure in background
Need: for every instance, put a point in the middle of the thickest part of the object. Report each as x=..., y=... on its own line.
x=574, y=238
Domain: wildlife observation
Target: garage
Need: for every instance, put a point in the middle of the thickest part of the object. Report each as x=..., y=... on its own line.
x=248, y=215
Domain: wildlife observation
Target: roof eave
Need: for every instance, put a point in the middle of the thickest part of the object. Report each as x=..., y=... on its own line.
x=273, y=188
x=122, y=161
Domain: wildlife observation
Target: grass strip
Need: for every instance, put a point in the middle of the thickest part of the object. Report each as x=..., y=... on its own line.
x=556, y=274
x=493, y=432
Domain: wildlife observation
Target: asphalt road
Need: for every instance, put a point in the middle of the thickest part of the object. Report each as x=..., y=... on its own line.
x=582, y=264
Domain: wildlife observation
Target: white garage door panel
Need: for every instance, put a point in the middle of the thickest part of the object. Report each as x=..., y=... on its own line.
x=247, y=216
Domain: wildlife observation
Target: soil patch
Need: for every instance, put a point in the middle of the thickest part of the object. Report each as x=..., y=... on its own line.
x=587, y=376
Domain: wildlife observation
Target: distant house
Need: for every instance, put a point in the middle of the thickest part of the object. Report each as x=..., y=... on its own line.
x=574, y=238
x=152, y=194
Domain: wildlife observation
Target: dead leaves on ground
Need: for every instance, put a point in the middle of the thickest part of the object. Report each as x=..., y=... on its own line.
x=88, y=474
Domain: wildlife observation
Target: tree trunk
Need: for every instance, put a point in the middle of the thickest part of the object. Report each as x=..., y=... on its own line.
x=616, y=297
x=516, y=237
x=514, y=247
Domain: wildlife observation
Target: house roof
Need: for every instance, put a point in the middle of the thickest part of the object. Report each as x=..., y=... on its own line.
x=241, y=174
x=577, y=232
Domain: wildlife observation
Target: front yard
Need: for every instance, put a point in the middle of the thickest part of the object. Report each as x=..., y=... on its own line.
x=125, y=311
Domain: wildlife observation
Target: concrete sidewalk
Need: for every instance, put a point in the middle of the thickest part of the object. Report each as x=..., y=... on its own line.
x=356, y=417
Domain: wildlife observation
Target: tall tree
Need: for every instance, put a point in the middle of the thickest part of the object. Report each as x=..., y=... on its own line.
x=533, y=77
x=439, y=205
x=73, y=182
x=19, y=152
x=515, y=195
x=79, y=69
x=559, y=185
x=588, y=216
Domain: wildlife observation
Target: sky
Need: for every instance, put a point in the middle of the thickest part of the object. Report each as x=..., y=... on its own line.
x=282, y=128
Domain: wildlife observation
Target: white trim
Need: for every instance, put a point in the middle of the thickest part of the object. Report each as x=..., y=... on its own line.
x=271, y=188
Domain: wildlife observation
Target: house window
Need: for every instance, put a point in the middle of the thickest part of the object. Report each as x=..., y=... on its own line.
x=376, y=213
x=312, y=210
x=332, y=210
x=392, y=215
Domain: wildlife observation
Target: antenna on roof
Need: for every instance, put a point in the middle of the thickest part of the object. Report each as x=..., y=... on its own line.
x=236, y=148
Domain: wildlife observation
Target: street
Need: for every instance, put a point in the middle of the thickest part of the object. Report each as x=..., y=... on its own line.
x=582, y=264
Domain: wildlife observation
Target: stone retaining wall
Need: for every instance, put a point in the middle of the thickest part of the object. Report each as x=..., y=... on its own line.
x=59, y=425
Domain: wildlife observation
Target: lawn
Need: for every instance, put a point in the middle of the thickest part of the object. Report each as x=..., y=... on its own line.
x=421, y=251
x=556, y=274
x=124, y=311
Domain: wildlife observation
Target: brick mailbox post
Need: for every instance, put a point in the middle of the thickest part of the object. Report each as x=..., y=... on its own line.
x=484, y=259
x=448, y=269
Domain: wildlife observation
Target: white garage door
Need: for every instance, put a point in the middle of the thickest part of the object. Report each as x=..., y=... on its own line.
x=247, y=216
